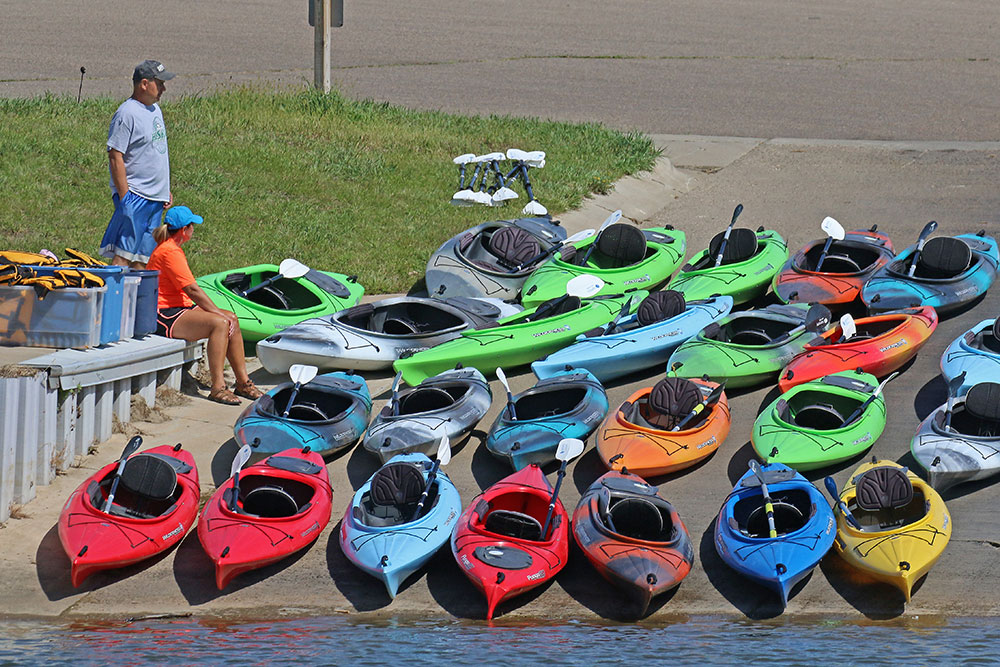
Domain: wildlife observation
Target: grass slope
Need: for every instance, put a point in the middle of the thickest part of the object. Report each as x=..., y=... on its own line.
x=352, y=186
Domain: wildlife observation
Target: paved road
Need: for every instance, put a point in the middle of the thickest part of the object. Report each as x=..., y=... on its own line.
x=899, y=69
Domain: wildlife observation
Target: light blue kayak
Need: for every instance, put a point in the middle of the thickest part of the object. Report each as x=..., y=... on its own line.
x=803, y=520
x=640, y=340
x=380, y=533
x=975, y=353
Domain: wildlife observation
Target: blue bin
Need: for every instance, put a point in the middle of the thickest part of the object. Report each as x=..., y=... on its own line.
x=111, y=314
x=145, y=305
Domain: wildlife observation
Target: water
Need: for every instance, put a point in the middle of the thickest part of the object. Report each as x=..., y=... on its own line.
x=343, y=641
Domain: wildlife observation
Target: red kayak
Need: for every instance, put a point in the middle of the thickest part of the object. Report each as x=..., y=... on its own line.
x=283, y=505
x=498, y=540
x=154, y=505
x=883, y=343
x=848, y=265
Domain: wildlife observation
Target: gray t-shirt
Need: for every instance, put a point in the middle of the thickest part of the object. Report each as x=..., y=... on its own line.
x=138, y=132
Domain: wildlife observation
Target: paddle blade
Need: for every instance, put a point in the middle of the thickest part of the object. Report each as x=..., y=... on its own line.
x=534, y=208
x=926, y=231
x=612, y=219
x=465, y=158
x=584, y=286
x=240, y=460
x=883, y=383
x=755, y=469
x=569, y=449
x=292, y=268
x=394, y=390
x=847, y=327
x=953, y=385
x=444, y=451
x=817, y=317
x=736, y=214
x=832, y=228
x=579, y=236
x=831, y=488
x=302, y=373
x=503, y=379
x=136, y=441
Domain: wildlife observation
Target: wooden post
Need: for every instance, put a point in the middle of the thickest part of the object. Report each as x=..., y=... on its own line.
x=321, y=47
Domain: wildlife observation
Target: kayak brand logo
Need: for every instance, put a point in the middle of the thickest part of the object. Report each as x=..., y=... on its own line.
x=899, y=343
x=710, y=441
x=669, y=334
x=465, y=562
x=176, y=531
x=865, y=438
x=536, y=576
x=641, y=279
x=593, y=416
x=310, y=529
x=769, y=267
x=551, y=331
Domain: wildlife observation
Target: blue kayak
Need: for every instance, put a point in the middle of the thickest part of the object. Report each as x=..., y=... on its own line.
x=975, y=353
x=950, y=273
x=330, y=413
x=383, y=535
x=570, y=404
x=803, y=520
x=641, y=340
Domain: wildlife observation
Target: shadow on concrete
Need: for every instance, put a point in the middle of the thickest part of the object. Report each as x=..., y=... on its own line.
x=753, y=601
x=739, y=463
x=769, y=398
x=876, y=600
x=930, y=397
x=587, y=469
x=488, y=469
x=52, y=567
x=222, y=462
x=361, y=466
x=363, y=592
x=451, y=589
x=194, y=572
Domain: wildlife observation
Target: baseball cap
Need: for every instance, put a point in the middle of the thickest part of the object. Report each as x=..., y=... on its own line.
x=179, y=217
x=151, y=69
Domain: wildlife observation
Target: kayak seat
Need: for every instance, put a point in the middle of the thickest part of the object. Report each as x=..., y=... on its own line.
x=840, y=264
x=236, y=282
x=660, y=306
x=670, y=400
x=741, y=246
x=513, y=245
x=554, y=307
x=270, y=297
x=400, y=326
x=751, y=337
x=883, y=488
x=623, y=244
x=397, y=485
x=817, y=416
x=424, y=399
x=150, y=477
x=567, y=253
x=787, y=518
x=270, y=501
x=983, y=402
x=943, y=257
x=514, y=524
x=307, y=412
x=637, y=518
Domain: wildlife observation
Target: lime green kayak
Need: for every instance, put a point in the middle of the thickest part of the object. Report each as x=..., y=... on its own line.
x=805, y=427
x=519, y=339
x=742, y=275
x=282, y=303
x=625, y=257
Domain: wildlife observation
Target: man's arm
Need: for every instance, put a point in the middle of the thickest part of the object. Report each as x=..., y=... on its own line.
x=117, y=162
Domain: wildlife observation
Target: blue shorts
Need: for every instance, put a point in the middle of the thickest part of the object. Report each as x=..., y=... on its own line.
x=130, y=231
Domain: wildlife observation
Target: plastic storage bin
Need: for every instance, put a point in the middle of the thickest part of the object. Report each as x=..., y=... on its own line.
x=145, y=305
x=69, y=317
x=130, y=295
x=112, y=312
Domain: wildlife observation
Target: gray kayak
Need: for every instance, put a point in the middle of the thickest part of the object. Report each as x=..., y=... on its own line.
x=448, y=404
x=372, y=336
x=483, y=261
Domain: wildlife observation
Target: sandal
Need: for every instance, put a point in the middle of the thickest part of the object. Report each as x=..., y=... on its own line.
x=223, y=396
x=248, y=390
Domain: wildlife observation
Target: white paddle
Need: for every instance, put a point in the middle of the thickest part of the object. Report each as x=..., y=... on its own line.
x=289, y=268
x=579, y=236
x=239, y=461
x=443, y=458
x=395, y=393
x=834, y=231
x=510, y=397
x=847, y=328
x=300, y=374
x=612, y=219
x=568, y=449
x=868, y=401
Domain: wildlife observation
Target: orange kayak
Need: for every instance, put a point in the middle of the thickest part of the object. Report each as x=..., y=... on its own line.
x=883, y=343
x=637, y=436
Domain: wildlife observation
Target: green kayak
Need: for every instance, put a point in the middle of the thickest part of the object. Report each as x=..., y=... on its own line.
x=281, y=303
x=747, y=348
x=750, y=262
x=624, y=257
x=821, y=423
x=518, y=339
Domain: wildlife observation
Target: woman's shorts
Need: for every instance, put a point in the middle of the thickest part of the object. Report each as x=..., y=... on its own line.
x=166, y=318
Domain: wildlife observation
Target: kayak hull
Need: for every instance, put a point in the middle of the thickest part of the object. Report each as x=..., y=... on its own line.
x=95, y=540
x=885, y=343
x=804, y=524
x=975, y=353
x=953, y=456
x=503, y=566
x=244, y=540
x=286, y=302
x=630, y=348
x=803, y=429
x=330, y=413
x=391, y=553
x=743, y=281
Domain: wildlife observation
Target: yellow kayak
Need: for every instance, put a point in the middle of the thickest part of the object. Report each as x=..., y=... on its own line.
x=904, y=524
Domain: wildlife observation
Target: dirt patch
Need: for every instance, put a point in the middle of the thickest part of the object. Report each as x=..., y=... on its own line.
x=128, y=428
x=170, y=398
x=16, y=371
x=141, y=412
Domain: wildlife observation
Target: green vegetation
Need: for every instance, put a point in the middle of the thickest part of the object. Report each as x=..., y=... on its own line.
x=342, y=185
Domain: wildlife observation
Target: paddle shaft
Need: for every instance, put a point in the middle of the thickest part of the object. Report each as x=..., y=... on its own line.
x=768, y=505
x=291, y=399
x=822, y=255
x=427, y=487
x=552, y=503
x=262, y=284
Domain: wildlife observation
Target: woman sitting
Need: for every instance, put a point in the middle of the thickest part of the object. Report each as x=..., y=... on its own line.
x=184, y=310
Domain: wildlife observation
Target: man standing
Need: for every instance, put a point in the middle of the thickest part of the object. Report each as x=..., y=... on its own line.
x=140, y=169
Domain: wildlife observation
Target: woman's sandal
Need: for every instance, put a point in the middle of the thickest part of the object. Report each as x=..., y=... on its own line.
x=248, y=390
x=223, y=396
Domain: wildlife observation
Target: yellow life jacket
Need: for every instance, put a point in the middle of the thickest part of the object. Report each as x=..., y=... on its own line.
x=21, y=257
x=80, y=258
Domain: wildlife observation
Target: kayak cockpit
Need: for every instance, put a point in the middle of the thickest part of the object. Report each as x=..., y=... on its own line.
x=886, y=499
x=282, y=294
x=844, y=257
x=817, y=410
x=393, y=496
x=147, y=488
x=793, y=507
